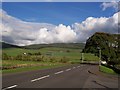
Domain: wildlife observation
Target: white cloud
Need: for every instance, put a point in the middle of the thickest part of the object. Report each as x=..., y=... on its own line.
x=19, y=32
x=113, y=4
x=24, y=33
x=92, y=25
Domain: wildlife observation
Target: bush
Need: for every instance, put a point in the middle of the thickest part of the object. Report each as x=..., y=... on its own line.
x=18, y=57
x=64, y=60
x=6, y=57
x=53, y=59
x=37, y=53
x=68, y=51
x=29, y=58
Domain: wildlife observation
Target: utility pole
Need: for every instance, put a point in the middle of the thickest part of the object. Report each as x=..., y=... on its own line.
x=99, y=57
x=82, y=57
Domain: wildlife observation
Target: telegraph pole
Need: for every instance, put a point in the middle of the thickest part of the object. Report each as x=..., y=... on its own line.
x=99, y=57
x=82, y=57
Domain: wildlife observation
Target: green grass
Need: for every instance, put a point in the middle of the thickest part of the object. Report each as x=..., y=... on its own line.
x=73, y=54
x=90, y=57
x=57, y=54
x=106, y=70
x=16, y=62
x=17, y=51
x=29, y=65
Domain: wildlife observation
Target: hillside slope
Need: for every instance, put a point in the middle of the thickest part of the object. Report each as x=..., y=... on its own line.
x=59, y=45
x=6, y=45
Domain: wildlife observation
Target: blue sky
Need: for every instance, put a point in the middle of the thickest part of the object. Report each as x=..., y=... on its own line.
x=56, y=22
x=56, y=13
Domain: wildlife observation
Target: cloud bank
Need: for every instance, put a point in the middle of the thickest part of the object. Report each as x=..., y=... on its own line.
x=113, y=4
x=18, y=32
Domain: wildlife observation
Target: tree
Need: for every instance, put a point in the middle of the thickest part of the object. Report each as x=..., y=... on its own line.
x=106, y=42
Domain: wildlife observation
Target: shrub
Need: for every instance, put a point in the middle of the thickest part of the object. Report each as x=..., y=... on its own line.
x=6, y=57
x=68, y=51
x=52, y=59
x=64, y=60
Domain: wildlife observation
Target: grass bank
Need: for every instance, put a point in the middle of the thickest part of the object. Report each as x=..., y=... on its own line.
x=23, y=66
x=106, y=70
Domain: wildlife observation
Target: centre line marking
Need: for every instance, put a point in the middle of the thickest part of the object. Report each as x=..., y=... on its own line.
x=40, y=78
x=59, y=72
x=68, y=69
x=10, y=87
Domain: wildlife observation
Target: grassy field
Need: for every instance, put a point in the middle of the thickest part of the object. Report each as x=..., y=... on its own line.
x=72, y=55
x=27, y=65
x=90, y=57
x=106, y=70
x=17, y=51
x=55, y=52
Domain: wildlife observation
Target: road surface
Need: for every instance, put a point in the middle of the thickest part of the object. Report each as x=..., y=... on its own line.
x=73, y=76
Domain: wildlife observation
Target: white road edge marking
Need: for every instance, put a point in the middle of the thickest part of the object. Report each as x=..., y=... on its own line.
x=59, y=72
x=10, y=87
x=68, y=69
x=40, y=78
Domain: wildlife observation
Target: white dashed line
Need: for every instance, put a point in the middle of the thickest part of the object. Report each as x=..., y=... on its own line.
x=10, y=87
x=68, y=69
x=40, y=78
x=59, y=72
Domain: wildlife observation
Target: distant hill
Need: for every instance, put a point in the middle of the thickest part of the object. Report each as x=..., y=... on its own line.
x=38, y=46
x=6, y=45
x=108, y=43
x=60, y=45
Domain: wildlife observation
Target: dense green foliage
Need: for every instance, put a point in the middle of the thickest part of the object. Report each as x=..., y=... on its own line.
x=108, y=43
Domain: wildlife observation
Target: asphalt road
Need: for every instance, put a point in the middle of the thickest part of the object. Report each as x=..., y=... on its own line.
x=74, y=76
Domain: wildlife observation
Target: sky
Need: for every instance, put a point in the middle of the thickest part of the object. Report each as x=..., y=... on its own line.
x=56, y=13
x=58, y=0
x=25, y=23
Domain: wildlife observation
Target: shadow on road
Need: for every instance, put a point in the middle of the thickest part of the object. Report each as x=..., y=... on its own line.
x=100, y=84
x=91, y=72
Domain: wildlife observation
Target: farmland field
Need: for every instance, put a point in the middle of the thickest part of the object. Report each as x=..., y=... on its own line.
x=52, y=58
x=56, y=52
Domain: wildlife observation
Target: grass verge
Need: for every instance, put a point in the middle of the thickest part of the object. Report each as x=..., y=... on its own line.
x=106, y=70
x=24, y=69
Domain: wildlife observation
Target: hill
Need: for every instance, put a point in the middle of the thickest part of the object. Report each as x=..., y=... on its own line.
x=59, y=45
x=6, y=45
x=108, y=43
x=38, y=46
